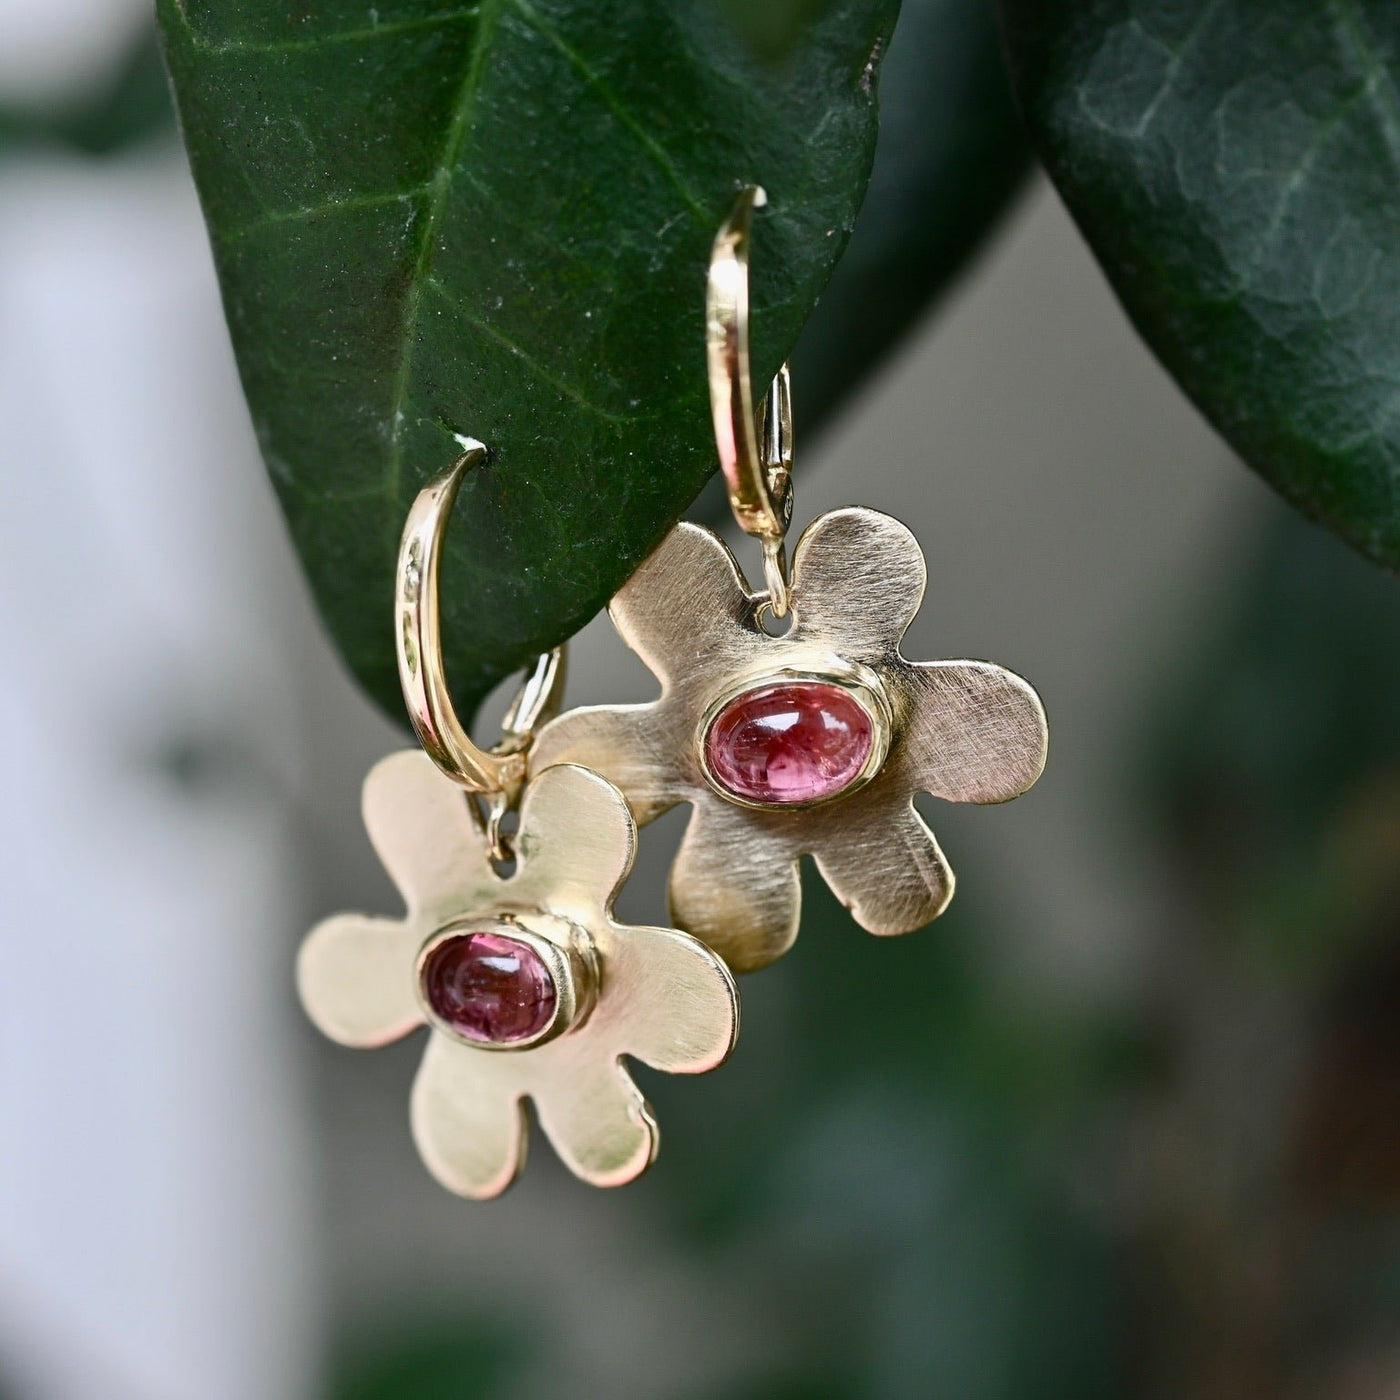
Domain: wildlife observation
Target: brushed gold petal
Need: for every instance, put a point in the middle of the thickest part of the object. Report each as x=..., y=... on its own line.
x=687, y=606
x=734, y=885
x=587, y=1102
x=656, y=989
x=355, y=978
x=420, y=825
x=885, y=866
x=632, y=746
x=599, y=1122
x=691, y=1025
x=965, y=731
x=575, y=844
x=468, y=1121
x=857, y=580
x=975, y=732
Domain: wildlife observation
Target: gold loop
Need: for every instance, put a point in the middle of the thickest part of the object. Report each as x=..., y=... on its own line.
x=775, y=577
x=536, y=702
x=760, y=484
x=418, y=640
x=497, y=842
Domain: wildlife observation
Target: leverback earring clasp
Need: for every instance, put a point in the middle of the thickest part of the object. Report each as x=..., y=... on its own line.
x=498, y=773
x=755, y=449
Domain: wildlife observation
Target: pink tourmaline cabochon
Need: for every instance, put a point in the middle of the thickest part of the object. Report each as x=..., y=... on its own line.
x=789, y=743
x=489, y=987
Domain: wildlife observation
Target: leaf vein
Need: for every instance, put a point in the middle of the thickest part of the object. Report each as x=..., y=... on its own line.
x=1179, y=56
x=649, y=144
x=1380, y=90
x=316, y=211
x=542, y=371
x=316, y=41
x=462, y=110
x=1297, y=178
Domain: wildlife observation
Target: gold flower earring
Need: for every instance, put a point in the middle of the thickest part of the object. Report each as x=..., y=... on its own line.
x=812, y=742
x=530, y=987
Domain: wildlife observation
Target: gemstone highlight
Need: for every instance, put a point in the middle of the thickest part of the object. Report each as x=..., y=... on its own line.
x=490, y=988
x=789, y=743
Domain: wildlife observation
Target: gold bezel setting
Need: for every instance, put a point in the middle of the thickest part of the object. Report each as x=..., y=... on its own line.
x=565, y=950
x=859, y=682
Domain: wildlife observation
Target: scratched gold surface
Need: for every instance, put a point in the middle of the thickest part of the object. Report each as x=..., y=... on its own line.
x=964, y=731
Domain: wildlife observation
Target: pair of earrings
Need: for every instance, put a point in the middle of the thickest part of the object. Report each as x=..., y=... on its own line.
x=812, y=742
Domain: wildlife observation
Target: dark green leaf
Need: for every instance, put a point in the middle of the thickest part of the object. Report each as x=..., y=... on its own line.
x=1234, y=165
x=773, y=27
x=952, y=152
x=494, y=221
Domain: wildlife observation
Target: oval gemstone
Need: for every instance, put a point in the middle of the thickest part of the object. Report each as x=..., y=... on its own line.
x=789, y=743
x=489, y=987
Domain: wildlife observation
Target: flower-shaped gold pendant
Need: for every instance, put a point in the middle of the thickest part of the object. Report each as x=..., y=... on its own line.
x=529, y=985
x=811, y=742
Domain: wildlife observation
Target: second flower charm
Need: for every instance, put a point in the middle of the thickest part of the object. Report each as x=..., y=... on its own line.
x=811, y=742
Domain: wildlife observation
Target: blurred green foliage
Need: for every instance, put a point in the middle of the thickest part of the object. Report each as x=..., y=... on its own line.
x=1278, y=774
x=450, y=1361
x=131, y=105
x=1269, y=1249
x=900, y=1171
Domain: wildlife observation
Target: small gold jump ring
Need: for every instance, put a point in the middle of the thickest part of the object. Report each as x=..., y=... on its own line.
x=775, y=577
x=418, y=641
x=497, y=842
x=759, y=482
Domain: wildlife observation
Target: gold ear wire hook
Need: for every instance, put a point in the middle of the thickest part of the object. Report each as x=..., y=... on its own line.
x=499, y=772
x=760, y=483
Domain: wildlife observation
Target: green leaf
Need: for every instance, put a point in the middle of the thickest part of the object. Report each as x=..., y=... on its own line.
x=1234, y=165
x=772, y=27
x=951, y=154
x=494, y=221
